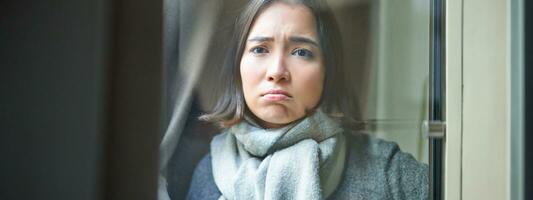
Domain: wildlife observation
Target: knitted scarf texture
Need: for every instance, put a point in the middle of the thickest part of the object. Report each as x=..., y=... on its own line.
x=303, y=160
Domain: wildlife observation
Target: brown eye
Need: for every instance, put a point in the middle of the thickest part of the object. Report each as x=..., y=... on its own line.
x=303, y=53
x=259, y=50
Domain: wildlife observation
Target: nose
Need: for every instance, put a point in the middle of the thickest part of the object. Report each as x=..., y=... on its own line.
x=277, y=71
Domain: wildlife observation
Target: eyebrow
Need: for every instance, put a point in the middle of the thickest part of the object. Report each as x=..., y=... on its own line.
x=296, y=39
x=299, y=39
x=260, y=39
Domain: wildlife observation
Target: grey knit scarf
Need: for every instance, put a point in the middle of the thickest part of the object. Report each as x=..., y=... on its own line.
x=303, y=160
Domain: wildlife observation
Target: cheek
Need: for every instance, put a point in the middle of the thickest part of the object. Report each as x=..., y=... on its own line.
x=250, y=76
x=311, y=87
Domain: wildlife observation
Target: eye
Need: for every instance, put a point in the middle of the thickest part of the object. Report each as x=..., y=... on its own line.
x=303, y=53
x=259, y=50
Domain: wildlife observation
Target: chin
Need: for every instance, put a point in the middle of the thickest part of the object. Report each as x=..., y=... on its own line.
x=276, y=114
x=280, y=122
x=275, y=119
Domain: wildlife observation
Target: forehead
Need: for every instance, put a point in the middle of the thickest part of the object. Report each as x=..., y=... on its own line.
x=284, y=18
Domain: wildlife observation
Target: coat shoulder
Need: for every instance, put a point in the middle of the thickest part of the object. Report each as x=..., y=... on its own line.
x=378, y=169
x=203, y=184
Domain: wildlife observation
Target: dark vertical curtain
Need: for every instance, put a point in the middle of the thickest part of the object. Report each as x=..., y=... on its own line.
x=196, y=34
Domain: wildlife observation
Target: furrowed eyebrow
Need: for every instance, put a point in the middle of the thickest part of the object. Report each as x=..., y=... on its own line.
x=299, y=39
x=295, y=39
x=260, y=39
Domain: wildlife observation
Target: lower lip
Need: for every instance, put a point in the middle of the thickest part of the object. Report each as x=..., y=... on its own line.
x=275, y=97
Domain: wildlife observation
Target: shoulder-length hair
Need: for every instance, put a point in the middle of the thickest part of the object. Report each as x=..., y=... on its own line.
x=337, y=99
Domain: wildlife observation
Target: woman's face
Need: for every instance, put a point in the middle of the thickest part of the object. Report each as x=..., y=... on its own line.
x=281, y=67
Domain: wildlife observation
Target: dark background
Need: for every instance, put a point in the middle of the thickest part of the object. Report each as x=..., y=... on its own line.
x=528, y=121
x=80, y=99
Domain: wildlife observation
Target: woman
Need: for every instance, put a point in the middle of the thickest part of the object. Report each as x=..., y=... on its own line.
x=286, y=113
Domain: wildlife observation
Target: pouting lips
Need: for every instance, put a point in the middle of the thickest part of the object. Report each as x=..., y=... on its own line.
x=276, y=92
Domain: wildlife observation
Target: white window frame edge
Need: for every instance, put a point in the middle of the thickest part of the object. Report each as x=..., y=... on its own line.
x=453, y=169
x=454, y=69
x=486, y=72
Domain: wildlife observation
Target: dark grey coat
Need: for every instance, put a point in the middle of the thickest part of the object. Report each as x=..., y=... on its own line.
x=375, y=169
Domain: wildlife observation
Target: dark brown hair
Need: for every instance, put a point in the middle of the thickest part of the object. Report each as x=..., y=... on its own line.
x=337, y=98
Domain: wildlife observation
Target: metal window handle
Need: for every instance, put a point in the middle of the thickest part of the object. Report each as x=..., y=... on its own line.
x=434, y=129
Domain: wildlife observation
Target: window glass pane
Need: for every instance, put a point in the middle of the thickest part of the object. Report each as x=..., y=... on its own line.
x=386, y=55
x=397, y=97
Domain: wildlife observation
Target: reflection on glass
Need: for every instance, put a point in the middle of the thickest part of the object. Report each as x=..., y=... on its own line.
x=398, y=83
x=286, y=127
